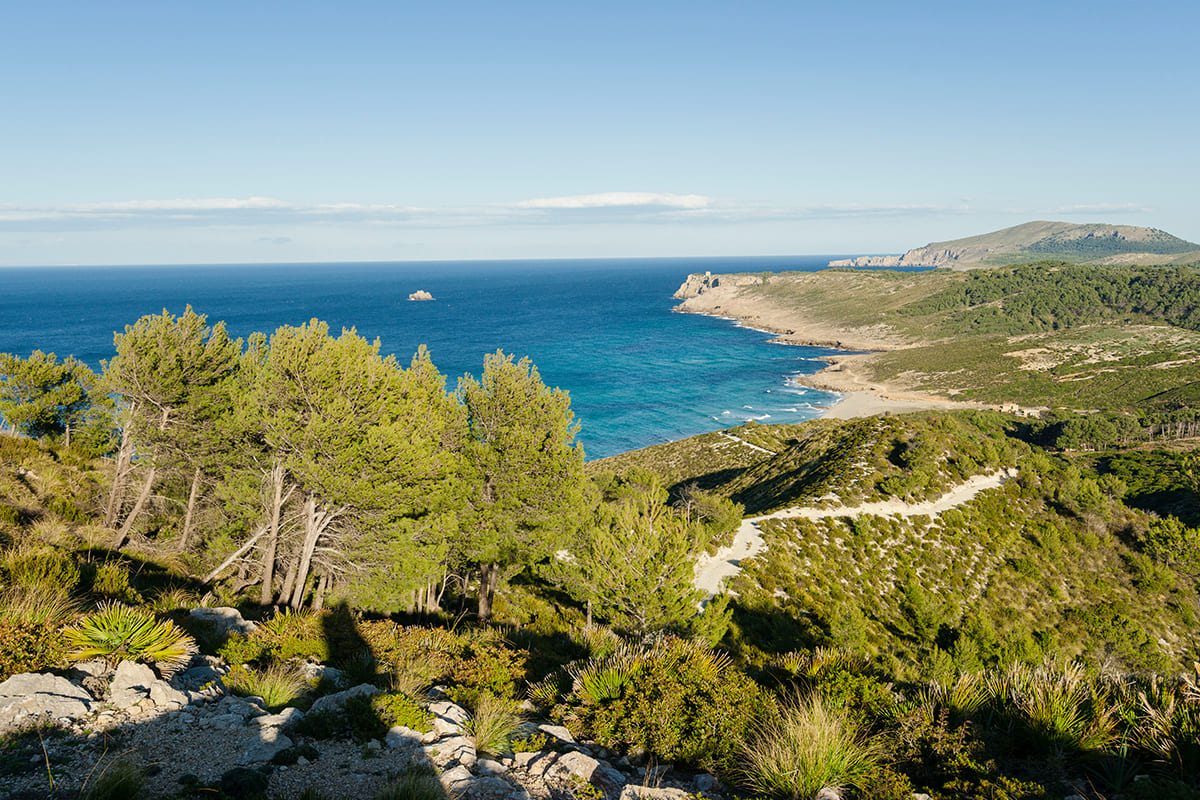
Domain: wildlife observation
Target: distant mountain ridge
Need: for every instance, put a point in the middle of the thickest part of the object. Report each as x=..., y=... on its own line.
x=1090, y=243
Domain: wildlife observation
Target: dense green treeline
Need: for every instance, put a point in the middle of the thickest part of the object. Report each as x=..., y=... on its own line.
x=308, y=468
x=1053, y=295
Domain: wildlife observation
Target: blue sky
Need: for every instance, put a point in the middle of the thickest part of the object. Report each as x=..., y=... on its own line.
x=161, y=132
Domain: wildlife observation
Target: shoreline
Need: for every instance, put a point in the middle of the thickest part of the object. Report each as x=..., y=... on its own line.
x=842, y=375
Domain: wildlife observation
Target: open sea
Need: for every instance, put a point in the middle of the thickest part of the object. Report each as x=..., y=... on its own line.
x=602, y=329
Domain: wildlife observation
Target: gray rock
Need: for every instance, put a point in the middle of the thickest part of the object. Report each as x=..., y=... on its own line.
x=597, y=773
x=166, y=697
x=558, y=732
x=829, y=793
x=448, y=718
x=400, y=736
x=41, y=695
x=334, y=702
x=456, y=781
x=489, y=787
x=224, y=619
x=535, y=763
x=707, y=784
x=131, y=684
x=652, y=793
x=269, y=742
x=458, y=749
x=198, y=678
x=285, y=720
x=488, y=766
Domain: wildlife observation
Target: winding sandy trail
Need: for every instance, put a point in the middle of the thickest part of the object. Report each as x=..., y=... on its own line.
x=712, y=570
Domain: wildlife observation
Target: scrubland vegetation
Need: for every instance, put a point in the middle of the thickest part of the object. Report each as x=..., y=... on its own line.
x=1037, y=641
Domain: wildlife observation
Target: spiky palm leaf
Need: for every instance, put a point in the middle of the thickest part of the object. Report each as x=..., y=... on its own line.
x=117, y=633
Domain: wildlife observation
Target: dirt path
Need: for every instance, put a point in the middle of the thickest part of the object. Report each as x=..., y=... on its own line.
x=711, y=571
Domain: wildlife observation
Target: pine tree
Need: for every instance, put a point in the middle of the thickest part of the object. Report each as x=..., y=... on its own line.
x=525, y=471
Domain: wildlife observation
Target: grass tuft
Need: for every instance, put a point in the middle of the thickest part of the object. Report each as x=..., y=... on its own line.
x=806, y=748
x=494, y=724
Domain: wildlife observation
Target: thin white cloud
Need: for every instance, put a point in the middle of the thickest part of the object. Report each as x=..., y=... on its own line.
x=601, y=208
x=182, y=204
x=620, y=200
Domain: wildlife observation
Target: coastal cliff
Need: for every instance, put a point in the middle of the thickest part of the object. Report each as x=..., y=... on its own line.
x=768, y=302
x=1092, y=243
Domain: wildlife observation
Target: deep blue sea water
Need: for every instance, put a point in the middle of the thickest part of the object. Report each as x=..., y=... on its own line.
x=637, y=373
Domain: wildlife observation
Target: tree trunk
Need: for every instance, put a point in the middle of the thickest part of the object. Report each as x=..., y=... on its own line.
x=489, y=574
x=268, y=570
x=209, y=577
x=127, y=526
x=289, y=579
x=319, y=595
x=115, y=493
x=185, y=537
x=315, y=523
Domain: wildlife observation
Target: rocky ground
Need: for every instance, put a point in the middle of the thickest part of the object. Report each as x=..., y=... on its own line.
x=188, y=733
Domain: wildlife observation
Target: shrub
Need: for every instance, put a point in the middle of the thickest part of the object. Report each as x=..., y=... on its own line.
x=1060, y=709
x=117, y=632
x=37, y=605
x=683, y=703
x=278, y=685
x=805, y=748
x=398, y=708
x=41, y=566
x=111, y=581
x=29, y=647
x=493, y=724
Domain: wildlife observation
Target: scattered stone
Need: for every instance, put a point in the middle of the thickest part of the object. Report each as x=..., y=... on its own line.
x=488, y=766
x=584, y=767
x=334, y=702
x=130, y=684
x=652, y=793
x=166, y=697
x=285, y=720
x=558, y=732
x=448, y=718
x=535, y=763
x=829, y=793
x=268, y=743
x=708, y=784
x=41, y=695
x=400, y=736
x=457, y=780
x=225, y=619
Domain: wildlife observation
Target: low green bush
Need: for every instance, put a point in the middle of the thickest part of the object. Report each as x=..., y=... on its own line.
x=40, y=565
x=29, y=647
x=398, y=708
x=680, y=702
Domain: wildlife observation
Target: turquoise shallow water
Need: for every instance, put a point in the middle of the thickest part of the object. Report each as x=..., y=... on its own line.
x=637, y=373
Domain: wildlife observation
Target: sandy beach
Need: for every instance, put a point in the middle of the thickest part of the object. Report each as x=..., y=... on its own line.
x=846, y=374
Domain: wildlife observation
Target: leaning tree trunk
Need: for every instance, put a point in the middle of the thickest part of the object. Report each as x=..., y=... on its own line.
x=127, y=526
x=315, y=523
x=193, y=495
x=268, y=570
x=117, y=491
